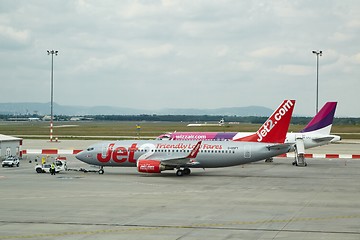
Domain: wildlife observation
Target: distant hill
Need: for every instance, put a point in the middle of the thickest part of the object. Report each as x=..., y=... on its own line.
x=44, y=109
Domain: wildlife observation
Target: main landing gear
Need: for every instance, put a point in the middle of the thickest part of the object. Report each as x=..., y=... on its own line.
x=182, y=172
x=101, y=170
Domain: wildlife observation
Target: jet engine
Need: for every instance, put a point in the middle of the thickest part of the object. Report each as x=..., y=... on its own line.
x=150, y=166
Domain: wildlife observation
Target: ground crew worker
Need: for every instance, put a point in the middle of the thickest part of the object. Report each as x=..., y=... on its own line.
x=52, y=169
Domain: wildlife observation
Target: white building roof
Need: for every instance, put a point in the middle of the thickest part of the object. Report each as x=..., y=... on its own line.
x=4, y=138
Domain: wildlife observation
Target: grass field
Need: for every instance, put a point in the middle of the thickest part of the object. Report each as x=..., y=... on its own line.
x=117, y=129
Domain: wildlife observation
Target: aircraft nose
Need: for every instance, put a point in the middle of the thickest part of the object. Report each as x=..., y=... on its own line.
x=86, y=155
x=80, y=155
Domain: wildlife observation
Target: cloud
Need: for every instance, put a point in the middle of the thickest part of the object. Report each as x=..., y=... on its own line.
x=206, y=53
x=10, y=36
x=268, y=52
x=294, y=70
x=340, y=37
x=98, y=64
x=155, y=51
x=356, y=58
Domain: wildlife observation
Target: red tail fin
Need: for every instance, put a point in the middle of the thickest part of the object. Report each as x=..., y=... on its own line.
x=275, y=128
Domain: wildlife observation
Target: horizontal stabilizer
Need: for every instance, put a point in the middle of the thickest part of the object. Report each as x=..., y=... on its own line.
x=323, y=139
x=279, y=146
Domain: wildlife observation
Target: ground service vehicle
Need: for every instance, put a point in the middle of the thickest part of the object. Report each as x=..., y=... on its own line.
x=11, y=161
x=45, y=168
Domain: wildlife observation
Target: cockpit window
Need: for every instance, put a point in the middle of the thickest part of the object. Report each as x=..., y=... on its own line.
x=90, y=149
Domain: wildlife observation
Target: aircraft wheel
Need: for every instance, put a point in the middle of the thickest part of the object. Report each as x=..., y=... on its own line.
x=179, y=173
x=187, y=171
x=101, y=171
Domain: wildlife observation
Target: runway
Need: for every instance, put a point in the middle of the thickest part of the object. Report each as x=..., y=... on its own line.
x=253, y=201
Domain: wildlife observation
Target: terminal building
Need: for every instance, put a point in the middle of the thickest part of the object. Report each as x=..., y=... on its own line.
x=9, y=146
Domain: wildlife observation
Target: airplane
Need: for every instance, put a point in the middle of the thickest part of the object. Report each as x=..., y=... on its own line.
x=316, y=133
x=155, y=156
x=221, y=123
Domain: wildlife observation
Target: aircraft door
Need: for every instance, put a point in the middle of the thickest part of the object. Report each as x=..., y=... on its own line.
x=247, y=151
x=104, y=149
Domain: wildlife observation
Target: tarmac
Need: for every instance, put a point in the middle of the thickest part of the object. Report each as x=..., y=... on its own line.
x=254, y=201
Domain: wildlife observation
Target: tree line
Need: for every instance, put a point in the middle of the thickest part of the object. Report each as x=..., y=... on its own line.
x=177, y=118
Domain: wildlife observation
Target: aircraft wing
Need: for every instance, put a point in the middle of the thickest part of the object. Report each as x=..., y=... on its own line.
x=180, y=161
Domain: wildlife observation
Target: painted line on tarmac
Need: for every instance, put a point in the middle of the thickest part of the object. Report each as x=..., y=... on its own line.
x=215, y=226
x=41, y=235
x=281, y=221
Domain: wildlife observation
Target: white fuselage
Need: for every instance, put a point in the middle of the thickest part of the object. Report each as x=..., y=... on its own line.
x=212, y=154
x=310, y=139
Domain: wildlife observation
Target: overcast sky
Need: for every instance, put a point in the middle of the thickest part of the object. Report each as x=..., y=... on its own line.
x=182, y=54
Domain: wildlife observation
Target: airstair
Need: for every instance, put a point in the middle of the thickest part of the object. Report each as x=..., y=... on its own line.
x=299, y=153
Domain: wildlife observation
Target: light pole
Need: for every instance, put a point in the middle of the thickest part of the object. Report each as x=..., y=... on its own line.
x=52, y=52
x=318, y=53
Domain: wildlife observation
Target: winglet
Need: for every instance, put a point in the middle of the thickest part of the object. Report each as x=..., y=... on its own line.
x=322, y=122
x=276, y=126
x=195, y=150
